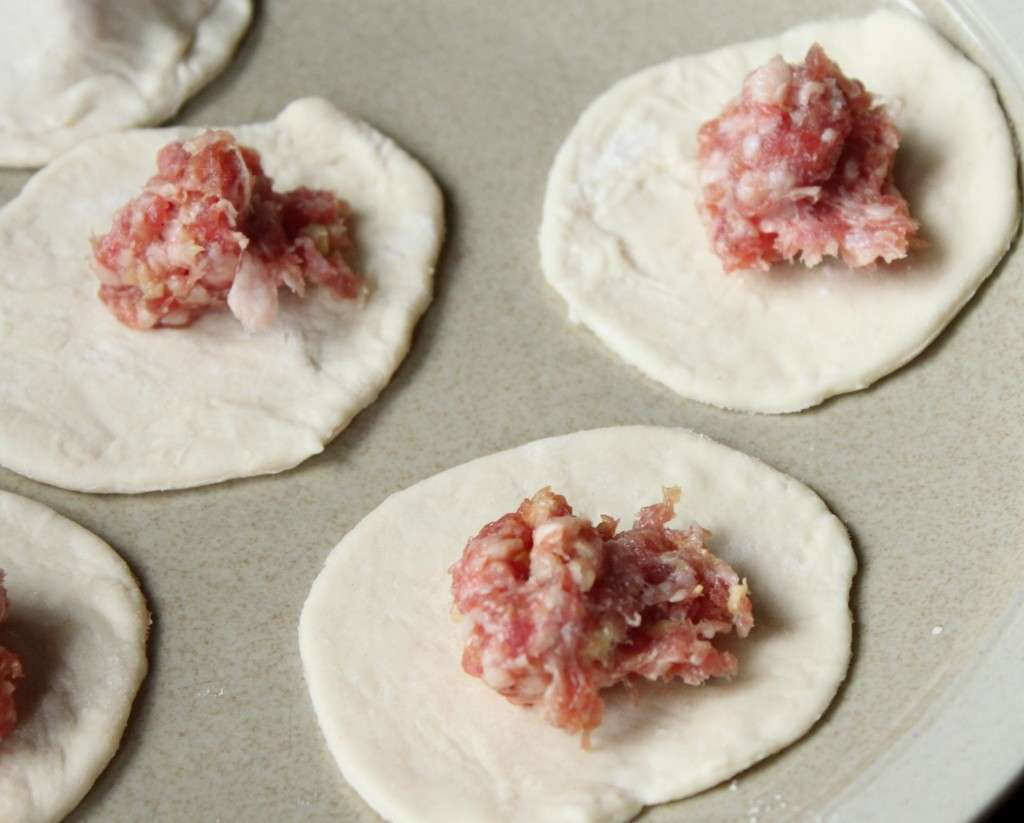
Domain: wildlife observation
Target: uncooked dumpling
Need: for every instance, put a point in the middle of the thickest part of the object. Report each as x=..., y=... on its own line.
x=423, y=741
x=623, y=243
x=79, y=623
x=72, y=69
x=89, y=404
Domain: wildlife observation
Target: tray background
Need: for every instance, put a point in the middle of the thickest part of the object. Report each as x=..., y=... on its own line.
x=925, y=468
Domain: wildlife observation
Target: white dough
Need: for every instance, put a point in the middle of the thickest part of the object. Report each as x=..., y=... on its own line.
x=89, y=404
x=72, y=69
x=79, y=624
x=622, y=241
x=422, y=741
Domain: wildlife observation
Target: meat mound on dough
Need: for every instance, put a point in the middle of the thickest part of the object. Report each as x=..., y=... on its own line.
x=800, y=165
x=555, y=608
x=208, y=230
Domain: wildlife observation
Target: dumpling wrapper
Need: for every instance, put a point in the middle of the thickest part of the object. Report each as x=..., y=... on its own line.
x=422, y=741
x=622, y=241
x=79, y=624
x=73, y=69
x=91, y=405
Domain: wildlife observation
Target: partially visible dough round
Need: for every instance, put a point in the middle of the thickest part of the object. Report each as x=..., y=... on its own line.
x=422, y=741
x=622, y=241
x=89, y=404
x=79, y=624
x=72, y=69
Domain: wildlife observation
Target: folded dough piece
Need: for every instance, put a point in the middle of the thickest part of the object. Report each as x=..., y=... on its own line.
x=72, y=69
x=623, y=243
x=79, y=623
x=423, y=741
x=91, y=405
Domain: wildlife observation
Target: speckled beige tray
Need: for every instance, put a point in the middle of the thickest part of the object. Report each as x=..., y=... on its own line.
x=926, y=467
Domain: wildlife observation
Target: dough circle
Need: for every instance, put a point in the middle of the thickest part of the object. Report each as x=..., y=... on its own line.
x=622, y=242
x=73, y=69
x=79, y=623
x=422, y=741
x=89, y=404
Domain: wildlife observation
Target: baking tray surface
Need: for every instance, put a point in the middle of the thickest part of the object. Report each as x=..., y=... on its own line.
x=926, y=468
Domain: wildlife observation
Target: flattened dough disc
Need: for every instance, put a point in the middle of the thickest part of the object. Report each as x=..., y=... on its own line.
x=622, y=242
x=422, y=741
x=79, y=623
x=73, y=69
x=89, y=404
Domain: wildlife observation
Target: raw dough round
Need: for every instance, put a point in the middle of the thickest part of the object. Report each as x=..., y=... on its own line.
x=89, y=404
x=622, y=241
x=72, y=69
x=422, y=741
x=79, y=623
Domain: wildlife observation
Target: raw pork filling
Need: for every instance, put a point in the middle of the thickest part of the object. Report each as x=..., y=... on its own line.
x=208, y=230
x=556, y=608
x=10, y=670
x=800, y=165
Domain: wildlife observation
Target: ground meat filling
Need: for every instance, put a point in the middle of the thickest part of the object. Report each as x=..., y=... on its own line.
x=208, y=230
x=800, y=165
x=556, y=608
x=10, y=670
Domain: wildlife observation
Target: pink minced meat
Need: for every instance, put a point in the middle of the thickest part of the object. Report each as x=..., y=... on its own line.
x=800, y=165
x=208, y=230
x=10, y=670
x=556, y=608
